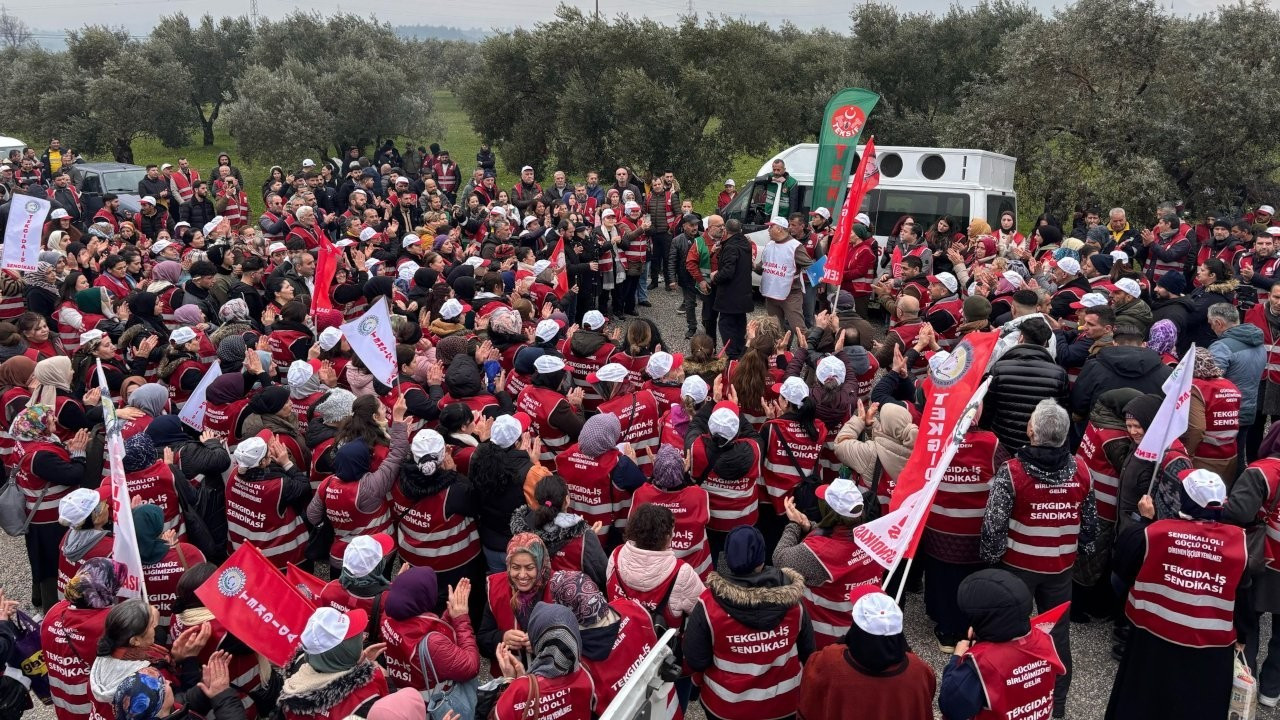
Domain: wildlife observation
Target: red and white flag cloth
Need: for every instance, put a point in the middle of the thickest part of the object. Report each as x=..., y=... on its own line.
x=561, y=265
x=22, y=232
x=192, y=412
x=1047, y=620
x=373, y=340
x=124, y=550
x=254, y=602
x=1171, y=420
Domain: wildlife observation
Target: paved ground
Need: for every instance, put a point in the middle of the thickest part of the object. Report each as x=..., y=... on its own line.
x=1094, y=668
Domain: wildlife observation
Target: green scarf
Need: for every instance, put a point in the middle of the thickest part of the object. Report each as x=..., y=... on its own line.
x=148, y=524
x=90, y=300
x=704, y=256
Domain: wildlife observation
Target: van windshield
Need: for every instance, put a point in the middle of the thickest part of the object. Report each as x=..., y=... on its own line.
x=888, y=205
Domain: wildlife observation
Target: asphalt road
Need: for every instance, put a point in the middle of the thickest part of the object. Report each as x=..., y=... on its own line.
x=1091, y=645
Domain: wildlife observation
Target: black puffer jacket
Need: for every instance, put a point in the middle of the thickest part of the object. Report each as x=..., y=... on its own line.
x=1122, y=366
x=733, y=276
x=497, y=480
x=758, y=601
x=1022, y=378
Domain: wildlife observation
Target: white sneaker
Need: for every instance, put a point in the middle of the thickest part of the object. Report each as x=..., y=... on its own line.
x=1265, y=701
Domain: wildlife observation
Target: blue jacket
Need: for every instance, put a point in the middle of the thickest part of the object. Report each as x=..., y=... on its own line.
x=1240, y=354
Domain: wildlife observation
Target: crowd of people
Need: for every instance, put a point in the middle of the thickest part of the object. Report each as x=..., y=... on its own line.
x=547, y=486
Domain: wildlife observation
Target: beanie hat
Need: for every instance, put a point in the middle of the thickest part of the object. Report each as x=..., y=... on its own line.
x=744, y=550
x=976, y=308
x=1102, y=263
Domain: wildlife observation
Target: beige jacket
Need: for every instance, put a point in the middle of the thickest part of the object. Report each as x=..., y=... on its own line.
x=892, y=438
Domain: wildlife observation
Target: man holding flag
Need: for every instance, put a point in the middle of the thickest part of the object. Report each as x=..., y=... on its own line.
x=1040, y=510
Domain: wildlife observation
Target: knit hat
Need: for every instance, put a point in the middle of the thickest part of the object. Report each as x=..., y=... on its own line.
x=1163, y=337
x=269, y=401
x=1097, y=235
x=1144, y=409
x=231, y=349
x=668, y=468
x=449, y=348
x=576, y=591
x=744, y=550
x=976, y=308
x=1174, y=282
x=327, y=318
x=997, y=604
x=139, y=453
x=336, y=407
x=1102, y=262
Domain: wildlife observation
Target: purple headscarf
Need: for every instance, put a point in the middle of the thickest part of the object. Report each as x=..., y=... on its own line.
x=1163, y=337
x=168, y=271
x=412, y=593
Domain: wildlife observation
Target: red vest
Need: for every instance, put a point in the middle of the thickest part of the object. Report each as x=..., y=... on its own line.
x=339, y=598
x=162, y=578
x=691, y=506
x=426, y=536
x=961, y=500
x=320, y=470
x=302, y=407
x=499, y=596
x=272, y=218
x=375, y=688
x=754, y=674
x=781, y=473
x=828, y=604
x=1073, y=292
x=1221, y=418
x=1104, y=476
x=477, y=403
x=154, y=485
x=254, y=515
x=1270, y=469
x=404, y=663
x=570, y=697
x=184, y=184
x=349, y=521
x=237, y=211
x=177, y=394
x=637, y=250
x=637, y=412
x=666, y=395
x=67, y=569
x=1045, y=523
x=592, y=493
x=862, y=261
x=635, y=639
x=69, y=640
x=635, y=365
x=1257, y=316
x=580, y=367
x=539, y=403
x=280, y=342
x=1017, y=676
x=651, y=599
x=31, y=485
x=118, y=288
x=907, y=332
x=1185, y=592
x=733, y=500
x=953, y=307
x=224, y=420
x=1266, y=269
x=1157, y=268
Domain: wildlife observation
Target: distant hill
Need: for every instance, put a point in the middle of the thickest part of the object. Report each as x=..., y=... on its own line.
x=440, y=32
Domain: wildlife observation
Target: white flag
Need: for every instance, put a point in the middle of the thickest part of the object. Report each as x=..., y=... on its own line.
x=124, y=550
x=22, y=232
x=1171, y=420
x=372, y=339
x=887, y=537
x=192, y=412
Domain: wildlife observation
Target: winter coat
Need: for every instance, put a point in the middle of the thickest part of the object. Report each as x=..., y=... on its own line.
x=1117, y=367
x=1136, y=312
x=759, y=601
x=643, y=570
x=197, y=212
x=1242, y=358
x=733, y=277
x=308, y=692
x=834, y=405
x=892, y=439
x=494, y=510
x=1198, y=330
x=676, y=254
x=566, y=528
x=1024, y=376
x=1176, y=310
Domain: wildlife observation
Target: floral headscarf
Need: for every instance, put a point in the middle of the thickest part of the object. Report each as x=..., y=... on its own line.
x=234, y=310
x=527, y=542
x=1206, y=368
x=1163, y=337
x=35, y=422
x=580, y=594
x=95, y=585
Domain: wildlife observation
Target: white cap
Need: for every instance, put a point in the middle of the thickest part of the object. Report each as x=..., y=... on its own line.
x=212, y=224
x=506, y=430
x=547, y=331
x=402, y=179
x=1130, y=286
x=181, y=223
x=948, y=281
x=497, y=210
x=548, y=364
x=631, y=205
x=843, y=495
x=730, y=182
x=58, y=214
x=328, y=628
x=610, y=372
x=165, y=166
x=1267, y=209
x=182, y=336
x=345, y=242
x=367, y=234
x=76, y=506
x=371, y=263
x=539, y=266
x=724, y=421
x=660, y=363
x=830, y=367
x=329, y=338
x=1013, y=278
x=593, y=320
x=863, y=219
x=794, y=390
x=450, y=309
x=361, y=191
x=823, y=212
x=89, y=336
x=250, y=452
x=365, y=552
x=1273, y=231
x=410, y=240
x=276, y=247
x=1120, y=256
x=308, y=162
x=426, y=442
x=473, y=261
x=1089, y=300
x=877, y=614
x=1069, y=265
x=147, y=199
x=159, y=246
x=407, y=269
x=529, y=220
x=694, y=388
x=526, y=167
x=607, y=212
x=1205, y=487
x=300, y=372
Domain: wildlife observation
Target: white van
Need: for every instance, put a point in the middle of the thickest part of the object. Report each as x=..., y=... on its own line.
x=925, y=183
x=8, y=143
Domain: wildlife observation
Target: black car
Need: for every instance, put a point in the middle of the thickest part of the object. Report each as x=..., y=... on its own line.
x=94, y=179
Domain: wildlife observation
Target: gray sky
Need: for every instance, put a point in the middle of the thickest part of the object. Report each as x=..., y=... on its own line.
x=139, y=15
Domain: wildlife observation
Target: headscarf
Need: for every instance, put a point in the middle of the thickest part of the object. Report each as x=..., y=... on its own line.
x=553, y=631
x=52, y=375
x=1144, y=409
x=231, y=349
x=234, y=310
x=340, y=658
x=189, y=315
x=151, y=399
x=875, y=653
x=352, y=460
x=1206, y=368
x=168, y=271
x=141, y=695
x=403, y=704
x=16, y=372
x=148, y=524
x=226, y=389
x=40, y=277
x=527, y=542
x=35, y=422
x=95, y=584
x=506, y=321
x=580, y=594
x=1163, y=337
x=668, y=468
x=378, y=287
x=336, y=407
x=464, y=287
x=599, y=434
x=270, y=401
x=139, y=452
x=166, y=431
x=412, y=593
x=94, y=300
x=142, y=306
x=450, y=347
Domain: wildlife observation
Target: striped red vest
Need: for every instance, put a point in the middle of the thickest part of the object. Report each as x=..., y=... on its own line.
x=1266, y=269
x=153, y=485
x=754, y=674
x=1045, y=522
x=1221, y=418
x=348, y=520
x=254, y=516
x=651, y=599
x=1258, y=316
x=637, y=412
x=1185, y=592
x=691, y=507
x=635, y=639
x=243, y=669
x=69, y=640
x=185, y=185
x=636, y=251
x=237, y=211
x=955, y=308
x=961, y=500
x=539, y=403
x=1270, y=469
x=162, y=578
x=907, y=332
x=733, y=500
x=426, y=536
x=1074, y=292
x=1017, y=676
x=592, y=493
x=1104, y=477
x=1156, y=268
x=46, y=513
x=404, y=664
x=828, y=604
x=569, y=697
x=780, y=473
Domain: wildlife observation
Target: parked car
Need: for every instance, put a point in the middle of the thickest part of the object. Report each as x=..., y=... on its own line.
x=95, y=179
x=8, y=143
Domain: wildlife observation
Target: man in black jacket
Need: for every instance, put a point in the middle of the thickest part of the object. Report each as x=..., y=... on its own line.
x=199, y=209
x=1127, y=364
x=678, y=274
x=1020, y=379
x=733, y=288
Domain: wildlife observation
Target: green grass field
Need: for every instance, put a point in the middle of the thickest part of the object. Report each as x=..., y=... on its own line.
x=459, y=139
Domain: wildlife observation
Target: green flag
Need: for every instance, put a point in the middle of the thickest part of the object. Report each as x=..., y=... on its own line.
x=842, y=125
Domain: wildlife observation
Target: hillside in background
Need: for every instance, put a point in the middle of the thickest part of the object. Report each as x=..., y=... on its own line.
x=440, y=32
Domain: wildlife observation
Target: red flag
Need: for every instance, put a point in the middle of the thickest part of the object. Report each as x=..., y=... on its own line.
x=561, y=265
x=895, y=262
x=326, y=268
x=304, y=582
x=254, y=601
x=867, y=177
x=1047, y=620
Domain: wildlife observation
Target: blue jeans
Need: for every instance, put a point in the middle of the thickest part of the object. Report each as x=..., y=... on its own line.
x=642, y=288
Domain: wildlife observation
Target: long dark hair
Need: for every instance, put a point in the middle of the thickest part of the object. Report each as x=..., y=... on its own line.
x=361, y=424
x=805, y=415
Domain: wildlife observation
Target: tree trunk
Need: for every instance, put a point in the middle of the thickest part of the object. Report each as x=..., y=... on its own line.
x=123, y=151
x=208, y=124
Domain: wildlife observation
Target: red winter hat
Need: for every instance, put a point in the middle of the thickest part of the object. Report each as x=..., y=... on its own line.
x=327, y=318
